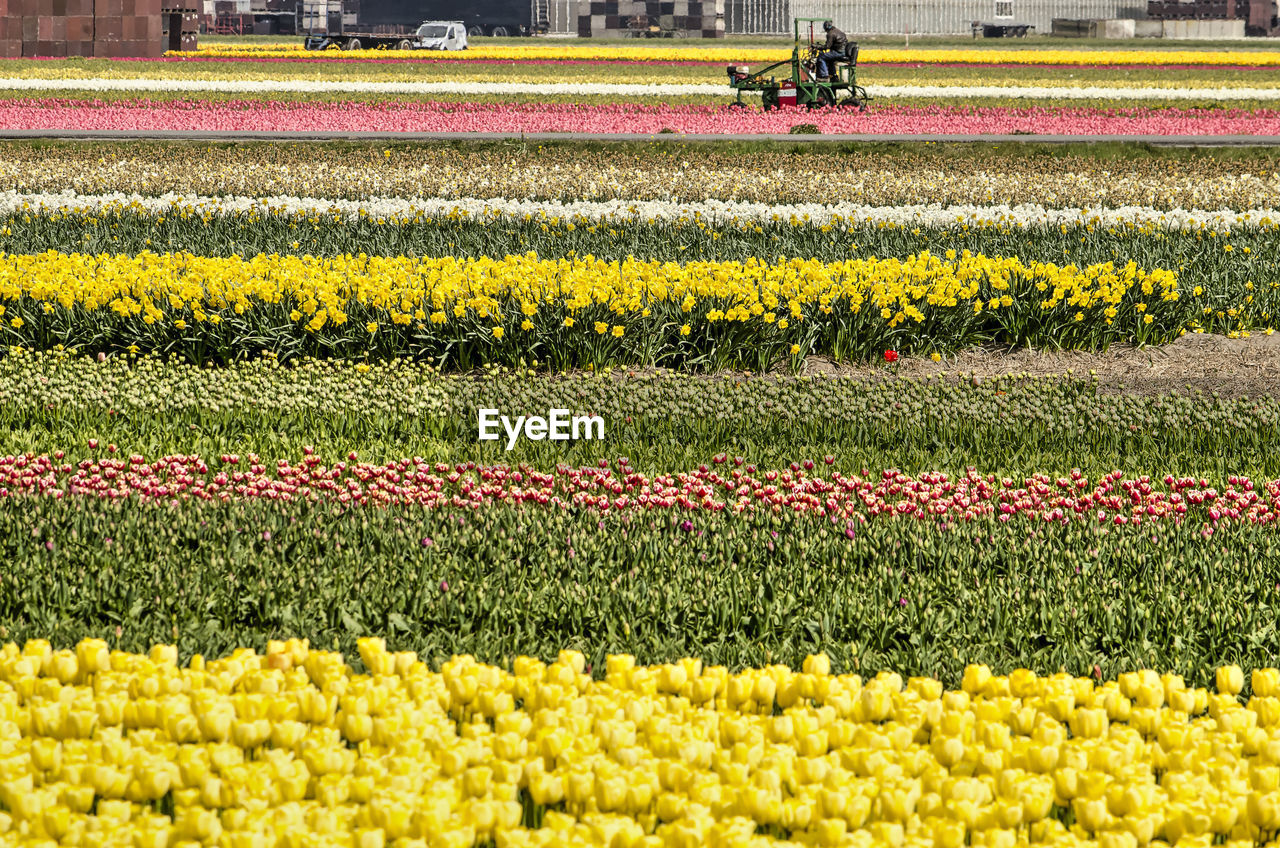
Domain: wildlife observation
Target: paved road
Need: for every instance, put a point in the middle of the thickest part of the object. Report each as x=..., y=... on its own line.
x=182, y=135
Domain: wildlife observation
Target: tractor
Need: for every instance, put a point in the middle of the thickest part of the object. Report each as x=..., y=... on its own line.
x=800, y=85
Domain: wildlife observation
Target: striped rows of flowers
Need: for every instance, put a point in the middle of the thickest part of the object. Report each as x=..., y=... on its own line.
x=436, y=68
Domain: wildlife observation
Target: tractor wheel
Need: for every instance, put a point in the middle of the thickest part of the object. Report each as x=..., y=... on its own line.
x=735, y=104
x=824, y=97
x=769, y=100
x=499, y=32
x=352, y=44
x=405, y=44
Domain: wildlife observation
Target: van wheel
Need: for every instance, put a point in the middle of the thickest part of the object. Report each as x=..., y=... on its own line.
x=475, y=31
x=353, y=44
x=499, y=32
x=405, y=44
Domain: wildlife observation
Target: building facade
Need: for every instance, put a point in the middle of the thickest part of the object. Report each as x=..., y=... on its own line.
x=919, y=17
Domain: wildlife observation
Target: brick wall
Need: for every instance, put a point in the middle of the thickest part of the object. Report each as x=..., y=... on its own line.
x=104, y=28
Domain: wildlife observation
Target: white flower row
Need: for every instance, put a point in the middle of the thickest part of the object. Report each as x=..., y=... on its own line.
x=714, y=212
x=307, y=86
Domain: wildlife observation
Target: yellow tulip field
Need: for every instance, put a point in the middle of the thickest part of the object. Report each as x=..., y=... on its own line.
x=538, y=491
x=292, y=747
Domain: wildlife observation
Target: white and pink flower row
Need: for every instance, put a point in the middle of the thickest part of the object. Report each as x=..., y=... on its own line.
x=1173, y=91
x=718, y=212
x=728, y=484
x=893, y=119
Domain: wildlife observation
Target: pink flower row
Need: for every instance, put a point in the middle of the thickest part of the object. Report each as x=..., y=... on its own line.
x=277, y=116
x=726, y=485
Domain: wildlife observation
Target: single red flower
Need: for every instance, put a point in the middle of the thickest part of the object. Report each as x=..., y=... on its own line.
x=890, y=356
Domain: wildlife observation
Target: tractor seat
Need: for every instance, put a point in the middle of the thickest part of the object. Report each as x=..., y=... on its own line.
x=851, y=52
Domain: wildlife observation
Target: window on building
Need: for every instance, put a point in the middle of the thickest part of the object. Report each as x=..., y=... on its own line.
x=1004, y=8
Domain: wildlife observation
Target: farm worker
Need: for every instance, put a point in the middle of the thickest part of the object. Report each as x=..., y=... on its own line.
x=834, y=51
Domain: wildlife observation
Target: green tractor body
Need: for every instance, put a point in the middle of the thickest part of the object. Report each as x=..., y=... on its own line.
x=795, y=82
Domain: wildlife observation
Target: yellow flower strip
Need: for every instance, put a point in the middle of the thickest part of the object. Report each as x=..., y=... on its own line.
x=158, y=287
x=107, y=748
x=869, y=55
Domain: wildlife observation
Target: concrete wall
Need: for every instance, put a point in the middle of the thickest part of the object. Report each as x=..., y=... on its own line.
x=919, y=17
x=1204, y=30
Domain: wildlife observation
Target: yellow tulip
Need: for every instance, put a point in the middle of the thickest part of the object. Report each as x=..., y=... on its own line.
x=1229, y=680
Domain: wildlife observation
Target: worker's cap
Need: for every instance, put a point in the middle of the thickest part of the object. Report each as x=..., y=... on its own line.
x=828, y=25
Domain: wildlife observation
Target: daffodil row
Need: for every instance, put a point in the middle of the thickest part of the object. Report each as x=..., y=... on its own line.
x=719, y=213
x=580, y=310
x=111, y=748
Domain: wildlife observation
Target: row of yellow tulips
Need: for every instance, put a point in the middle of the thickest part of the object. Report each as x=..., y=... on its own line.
x=294, y=748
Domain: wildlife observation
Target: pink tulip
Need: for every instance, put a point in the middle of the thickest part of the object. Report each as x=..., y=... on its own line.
x=850, y=499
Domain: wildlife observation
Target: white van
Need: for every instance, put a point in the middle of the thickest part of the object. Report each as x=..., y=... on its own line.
x=441, y=35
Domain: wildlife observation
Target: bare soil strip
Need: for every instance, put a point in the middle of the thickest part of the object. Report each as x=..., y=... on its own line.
x=1207, y=363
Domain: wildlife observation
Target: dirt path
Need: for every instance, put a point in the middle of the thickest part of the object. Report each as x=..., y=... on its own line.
x=1231, y=367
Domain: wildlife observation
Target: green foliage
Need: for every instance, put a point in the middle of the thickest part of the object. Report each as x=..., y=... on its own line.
x=913, y=597
x=663, y=421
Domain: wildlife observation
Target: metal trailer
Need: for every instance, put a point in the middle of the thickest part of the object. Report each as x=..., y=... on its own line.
x=801, y=86
x=385, y=38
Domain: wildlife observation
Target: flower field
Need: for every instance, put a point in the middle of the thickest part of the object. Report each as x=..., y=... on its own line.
x=561, y=88
x=270, y=581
